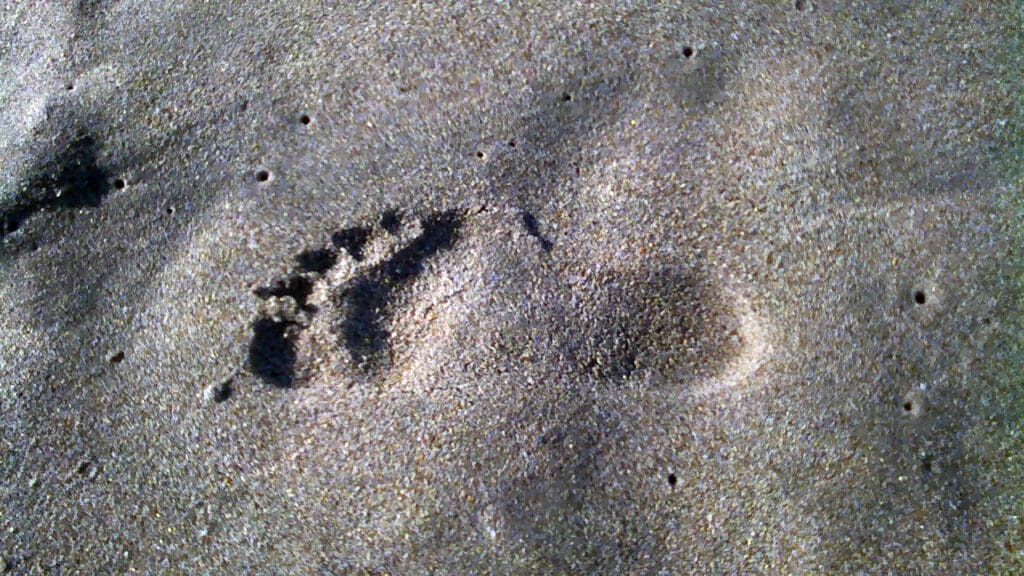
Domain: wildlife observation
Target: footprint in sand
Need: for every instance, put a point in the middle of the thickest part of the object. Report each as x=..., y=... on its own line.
x=336, y=309
x=355, y=278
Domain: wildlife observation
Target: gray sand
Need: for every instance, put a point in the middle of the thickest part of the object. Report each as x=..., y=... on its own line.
x=399, y=289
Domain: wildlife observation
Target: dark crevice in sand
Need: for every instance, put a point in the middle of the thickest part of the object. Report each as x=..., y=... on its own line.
x=361, y=329
x=533, y=229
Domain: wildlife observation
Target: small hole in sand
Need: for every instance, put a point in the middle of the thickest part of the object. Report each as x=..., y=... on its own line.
x=115, y=357
x=913, y=404
x=305, y=119
x=170, y=210
x=801, y=5
x=119, y=184
x=672, y=480
x=262, y=176
x=69, y=86
x=511, y=143
x=566, y=97
x=480, y=155
x=920, y=297
x=687, y=51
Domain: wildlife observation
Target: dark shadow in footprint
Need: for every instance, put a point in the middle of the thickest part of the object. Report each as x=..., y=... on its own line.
x=271, y=353
x=363, y=301
x=666, y=321
x=352, y=240
x=391, y=222
x=73, y=179
x=316, y=260
x=295, y=286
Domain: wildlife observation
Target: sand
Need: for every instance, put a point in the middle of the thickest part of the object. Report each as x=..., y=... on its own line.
x=400, y=288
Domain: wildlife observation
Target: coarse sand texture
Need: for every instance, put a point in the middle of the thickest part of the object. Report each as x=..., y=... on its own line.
x=511, y=288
